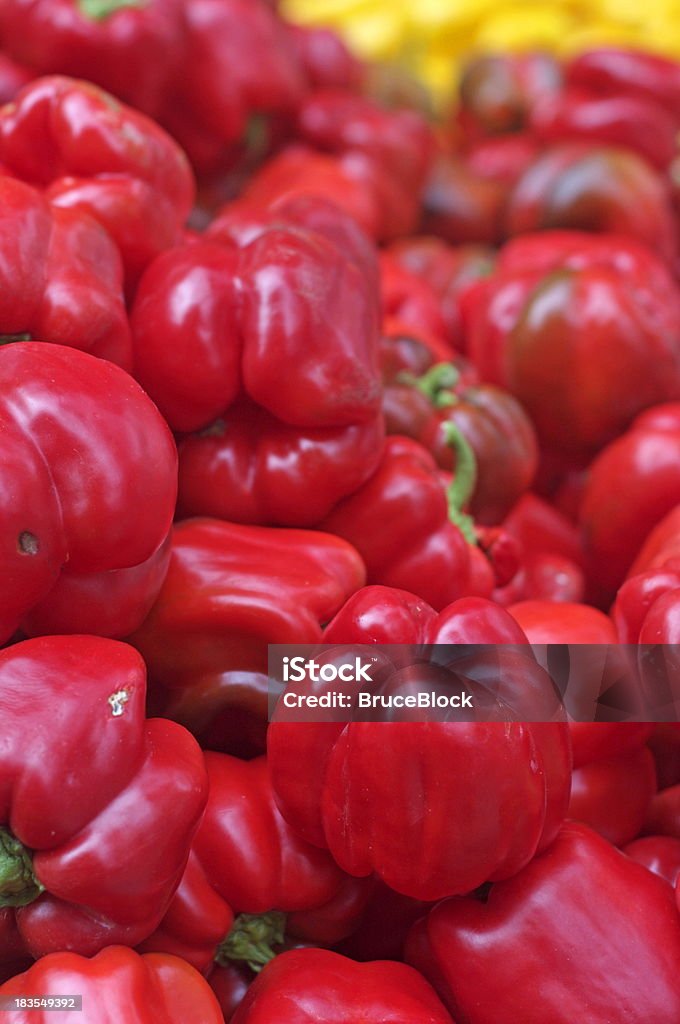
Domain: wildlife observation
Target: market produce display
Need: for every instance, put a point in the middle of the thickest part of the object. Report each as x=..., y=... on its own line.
x=296, y=358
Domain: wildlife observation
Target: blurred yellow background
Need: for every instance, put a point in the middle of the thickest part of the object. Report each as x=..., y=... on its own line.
x=433, y=37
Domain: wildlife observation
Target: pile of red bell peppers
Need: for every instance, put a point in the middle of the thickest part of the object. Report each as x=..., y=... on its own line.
x=284, y=360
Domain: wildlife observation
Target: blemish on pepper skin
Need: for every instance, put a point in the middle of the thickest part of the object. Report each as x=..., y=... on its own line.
x=27, y=543
x=118, y=701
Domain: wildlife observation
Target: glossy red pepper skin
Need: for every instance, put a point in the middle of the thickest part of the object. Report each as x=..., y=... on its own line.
x=347, y=150
x=559, y=298
x=91, y=153
x=449, y=271
x=397, y=142
x=642, y=466
x=368, y=772
x=581, y=933
x=596, y=741
x=13, y=77
x=502, y=158
x=491, y=421
x=131, y=49
x=411, y=300
x=62, y=277
x=608, y=70
x=106, y=847
x=245, y=859
x=661, y=548
x=613, y=795
x=116, y=985
x=580, y=187
x=326, y=60
x=229, y=984
x=221, y=82
x=383, y=615
x=319, y=987
x=266, y=342
x=424, y=552
x=550, y=553
x=647, y=606
x=660, y=854
x=495, y=426
x=498, y=91
x=89, y=484
x=460, y=207
x=230, y=591
x=549, y=622
x=663, y=814
x=623, y=121
x=594, y=664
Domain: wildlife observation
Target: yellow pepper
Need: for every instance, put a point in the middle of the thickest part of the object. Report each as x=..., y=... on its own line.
x=434, y=38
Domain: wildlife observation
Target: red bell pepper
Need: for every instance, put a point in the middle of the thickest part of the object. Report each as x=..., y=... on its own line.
x=449, y=271
x=582, y=187
x=129, y=47
x=552, y=622
x=13, y=77
x=491, y=420
x=502, y=158
x=383, y=615
x=89, y=485
x=315, y=986
x=660, y=854
x=642, y=467
x=664, y=744
x=398, y=141
x=239, y=73
x=251, y=881
x=595, y=741
x=624, y=121
x=115, y=985
x=647, y=606
x=568, y=299
x=229, y=984
x=500, y=800
x=550, y=554
x=89, y=858
x=661, y=549
x=498, y=91
x=411, y=300
x=612, y=795
x=91, y=153
x=326, y=60
x=230, y=591
x=347, y=151
x=460, y=207
x=62, y=278
x=608, y=70
x=265, y=341
x=431, y=548
x=663, y=814
x=582, y=933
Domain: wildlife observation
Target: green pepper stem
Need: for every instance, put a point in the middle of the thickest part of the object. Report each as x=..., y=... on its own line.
x=463, y=484
x=18, y=884
x=435, y=384
x=9, y=339
x=252, y=938
x=99, y=10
